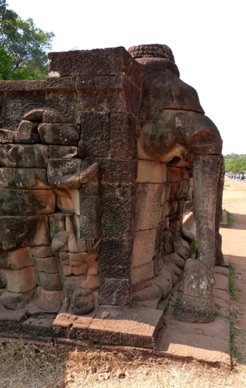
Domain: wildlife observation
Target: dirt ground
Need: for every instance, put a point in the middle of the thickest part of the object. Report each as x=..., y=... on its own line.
x=23, y=365
x=234, y=249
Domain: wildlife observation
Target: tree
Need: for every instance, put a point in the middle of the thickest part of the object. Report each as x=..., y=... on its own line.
x=235, y=163
x=23, y=47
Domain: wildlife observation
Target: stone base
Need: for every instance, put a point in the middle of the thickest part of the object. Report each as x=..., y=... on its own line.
x=194, y=309
x=134, y=326
x=129, y=326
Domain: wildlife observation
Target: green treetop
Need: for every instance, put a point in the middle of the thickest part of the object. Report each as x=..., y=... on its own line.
x=23, y=47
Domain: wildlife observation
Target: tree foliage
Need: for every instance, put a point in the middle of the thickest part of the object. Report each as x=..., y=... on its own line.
x=23, y=47
x=235, y=163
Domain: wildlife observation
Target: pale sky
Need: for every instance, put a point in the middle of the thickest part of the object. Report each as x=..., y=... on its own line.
x=207, y=38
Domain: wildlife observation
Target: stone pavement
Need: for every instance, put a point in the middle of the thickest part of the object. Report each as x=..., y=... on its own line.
x=207, y=342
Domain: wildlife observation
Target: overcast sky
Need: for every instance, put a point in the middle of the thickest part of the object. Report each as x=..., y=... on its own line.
x=207, y=38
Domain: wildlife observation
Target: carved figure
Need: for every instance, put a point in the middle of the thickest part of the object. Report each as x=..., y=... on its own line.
x=93, y=189
x=176, y=131
x=49, y=252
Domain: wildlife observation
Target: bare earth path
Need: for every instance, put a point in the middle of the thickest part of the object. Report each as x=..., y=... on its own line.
x=26, y=366
x=234, y=249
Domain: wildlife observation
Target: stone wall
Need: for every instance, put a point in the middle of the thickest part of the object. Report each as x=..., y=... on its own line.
x=86, y=218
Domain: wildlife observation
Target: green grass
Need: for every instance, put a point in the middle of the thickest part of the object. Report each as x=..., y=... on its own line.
x=229, y=220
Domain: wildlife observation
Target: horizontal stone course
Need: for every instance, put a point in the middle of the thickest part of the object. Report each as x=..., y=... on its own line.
x=26, y=202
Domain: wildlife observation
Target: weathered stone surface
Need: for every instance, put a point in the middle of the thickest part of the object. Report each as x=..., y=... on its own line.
x=72, y=283
x=128, y=326
x=27, y=132
x=196, y=303
x=62, y=100
x=142, y=273
x=14, y=103
x=16, y=259
x=95, y=133
x=115, y=258
x=18, y=232
x=49, y=281
x=174, y=258
x=151, y=172
x=15, y=300
x=59, y=133
x=62, y=152
x=93, y=62
x=164, y=281
x=23, y=178
x=35, y=115
x=46, y=264
x=24, y=155
x=150, y=292
x=72, y=326
x=6, y=136
x=92, y=282
x=44, y=251
x=117, y=216
x=175, y=174
x=48, y=301
x=68, y=200
x=20, y=280
x=89, y=219
x=26, y=202
x=82, y=302
x=57, y=223
x=116, y=292
x=58, y=169
x=38, y=327
x=112, y=170
x=123, y=136
x=149, y=199
x=53, y=116
x=144, y=247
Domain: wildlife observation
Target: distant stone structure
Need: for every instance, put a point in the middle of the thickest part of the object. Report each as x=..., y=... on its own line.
x=97, y=164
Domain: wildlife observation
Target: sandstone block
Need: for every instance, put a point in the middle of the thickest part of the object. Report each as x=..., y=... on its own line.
x=116, y=292
x=27, y=132
x=115, y=258
x=148, y=206
x=19, y=232
x=49, y=281
x=59, y=133
x=46, y=264
x=60, y=168
x=142, y=273
x=94, y=62
x=26, y=202
x=19, y=258
x=15, y=300
x=143, y=247
x=72, y=283
x=151, y=172
x=57, y=223
x=62, y=152
x=24, y=155
x=68, y=200
x=21, y=280
x=175, y=174
x=6, y=135
x=44, y=251
x=112, y=170
x=23, y=178
x=117, y=216
x=95, y=133
x=89, y=219
x=123, y=136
